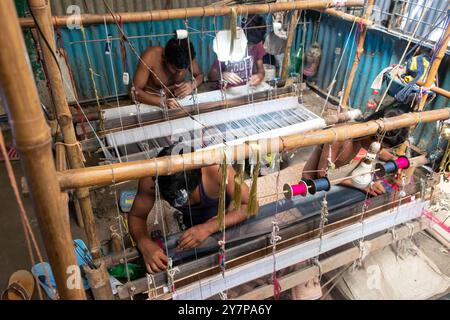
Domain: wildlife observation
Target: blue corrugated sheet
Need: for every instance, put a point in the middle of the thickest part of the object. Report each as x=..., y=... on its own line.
x=101, y=62
x=380, y=51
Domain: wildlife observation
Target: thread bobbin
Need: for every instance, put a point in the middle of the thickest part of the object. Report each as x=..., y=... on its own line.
x=316, y=185
x=295, y=189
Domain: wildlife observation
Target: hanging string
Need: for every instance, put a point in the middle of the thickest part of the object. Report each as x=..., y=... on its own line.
x=222, y=191
x=238, y=181
x=275, y=238
x=333, y=81
x=59, y=39
x=252, y=207
x=92, y=73
x=28, y=231
x=424, y=12
x=115, y=85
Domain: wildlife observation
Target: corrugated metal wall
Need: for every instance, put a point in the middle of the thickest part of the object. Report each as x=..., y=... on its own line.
x=139, y=35
x=380, y=51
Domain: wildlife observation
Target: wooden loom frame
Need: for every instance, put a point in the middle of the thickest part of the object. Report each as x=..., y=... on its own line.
x=34, y=143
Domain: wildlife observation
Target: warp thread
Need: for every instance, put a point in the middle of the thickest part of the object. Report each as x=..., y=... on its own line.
x=252, y=208
x=238, y=181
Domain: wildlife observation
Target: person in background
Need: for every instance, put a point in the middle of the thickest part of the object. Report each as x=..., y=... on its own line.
x=169, y=67
x=251, y=68
x=343, y=153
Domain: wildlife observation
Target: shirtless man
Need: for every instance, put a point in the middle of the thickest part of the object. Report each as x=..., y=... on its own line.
x=343, y=152
x=194, y=193
x=169, y=67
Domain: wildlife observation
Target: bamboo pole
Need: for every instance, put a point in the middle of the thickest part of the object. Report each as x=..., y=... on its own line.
x=119, y=172
x=33, y=141
x=336, y=261
x=287, y=50
x=359, y=52
x=431, y=76
x=347, y=16
x=182, y=13
x=439, y=91
x=42, y=12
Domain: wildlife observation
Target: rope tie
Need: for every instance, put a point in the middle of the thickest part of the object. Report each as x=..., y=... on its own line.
x=151, y=285
x=222, y=256
x=171, y=271
x=77, y=144
x=317, y=263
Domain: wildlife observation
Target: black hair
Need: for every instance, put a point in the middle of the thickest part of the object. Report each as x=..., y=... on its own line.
x=393, y=137
x=254, y=27
x=177, y=52
x=178, y=187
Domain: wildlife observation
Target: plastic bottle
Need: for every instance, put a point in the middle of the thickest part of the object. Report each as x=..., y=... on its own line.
x=372, y=102
x=296, y=61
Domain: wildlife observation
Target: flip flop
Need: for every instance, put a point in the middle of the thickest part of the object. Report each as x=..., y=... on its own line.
x=39, y=272
x=20, y=286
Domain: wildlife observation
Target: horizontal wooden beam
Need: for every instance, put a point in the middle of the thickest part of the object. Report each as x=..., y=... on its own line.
x=437, y=90
x=182, y=13
x=336, y=261
x=108, y=174
x=347, y=16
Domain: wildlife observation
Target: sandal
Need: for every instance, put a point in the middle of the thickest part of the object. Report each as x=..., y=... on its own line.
x=20, y=286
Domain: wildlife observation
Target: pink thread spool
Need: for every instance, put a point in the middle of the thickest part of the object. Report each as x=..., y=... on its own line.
x=402, y=162
x=300, y=189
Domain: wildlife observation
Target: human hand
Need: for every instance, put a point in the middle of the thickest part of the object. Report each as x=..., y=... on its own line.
x=183, y=89
x=375, y=189
x=172, y=104
x=193, y=237
x=154, y=257
x=255, y=80
x=232, y=78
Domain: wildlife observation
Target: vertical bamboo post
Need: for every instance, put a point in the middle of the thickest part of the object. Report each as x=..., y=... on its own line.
x=33, y=141
x=42, y=12
x=359, y=52
x=287, y=51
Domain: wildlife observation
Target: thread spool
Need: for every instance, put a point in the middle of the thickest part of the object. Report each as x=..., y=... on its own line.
x=402, y=162
x=392, y=166
x=300, y=189
x=181, y=34
x=322, y=184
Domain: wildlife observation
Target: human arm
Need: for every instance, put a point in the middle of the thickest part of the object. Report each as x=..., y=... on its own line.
x=154, y=257
x=258, y=77
x=230, y=77
x=184, y=88
x=195, y=235
x=141, y=78
x=374, y=189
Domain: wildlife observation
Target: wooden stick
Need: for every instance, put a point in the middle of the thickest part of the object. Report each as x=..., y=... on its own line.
x=431, y=76
x=42, y=12
x=437, y=90
x=359, y=52
x=33, y=141
x=287, y=51
x=336, y=261
x=182, y=13
x=348, y=16
x=106, y=174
